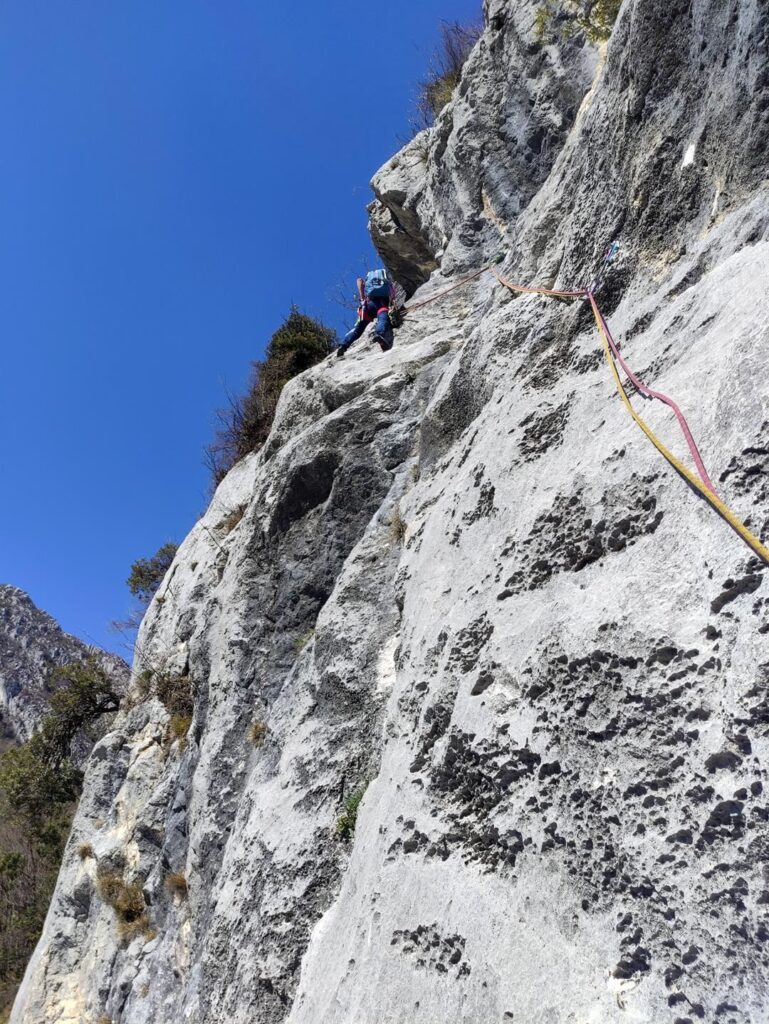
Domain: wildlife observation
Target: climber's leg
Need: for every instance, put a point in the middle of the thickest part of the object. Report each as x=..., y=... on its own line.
x=351, y=336
x=384, y=329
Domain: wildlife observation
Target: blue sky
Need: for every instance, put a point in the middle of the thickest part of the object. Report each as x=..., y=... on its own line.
x=174, y=174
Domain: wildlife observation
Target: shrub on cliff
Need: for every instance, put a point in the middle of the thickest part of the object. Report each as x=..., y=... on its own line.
x=147, y=573
x=563, y=18
x=299, y=343
x=345, y=823
x=40, y=776
x=445, y=69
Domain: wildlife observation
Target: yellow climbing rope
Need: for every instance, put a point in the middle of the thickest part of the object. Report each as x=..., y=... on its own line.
x=736, y=524
x=709, y=495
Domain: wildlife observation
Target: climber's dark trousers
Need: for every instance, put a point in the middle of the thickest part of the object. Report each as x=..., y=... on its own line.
x=371, y=311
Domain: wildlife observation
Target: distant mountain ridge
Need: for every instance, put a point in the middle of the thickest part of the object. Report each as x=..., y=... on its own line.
x=32, y=644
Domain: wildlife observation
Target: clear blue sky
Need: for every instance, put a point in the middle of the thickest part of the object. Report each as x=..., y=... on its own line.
x=174, y=174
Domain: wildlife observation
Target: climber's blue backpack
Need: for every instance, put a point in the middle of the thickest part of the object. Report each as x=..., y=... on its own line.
x=377, y=286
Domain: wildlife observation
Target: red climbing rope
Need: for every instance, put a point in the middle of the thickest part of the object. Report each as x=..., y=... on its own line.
x=650, y=393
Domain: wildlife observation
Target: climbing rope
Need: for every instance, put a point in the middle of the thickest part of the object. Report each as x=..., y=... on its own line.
x=703, y=488
x=605, y=332
x=703, y=485
x=439, y=295
x=648, y=392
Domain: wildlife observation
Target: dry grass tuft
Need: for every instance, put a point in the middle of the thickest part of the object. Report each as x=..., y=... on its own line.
x=176, y=883
x=109, y=887
x=231, y=520
x=129, y=905
x=179, y=726
x=129, y=930
x=85, y=851
x=257, y=733
x=127, y=900
x=175, y=694
x=397, y=526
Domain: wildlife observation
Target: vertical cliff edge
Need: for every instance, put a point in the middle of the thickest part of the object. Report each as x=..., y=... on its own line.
x=459, y=577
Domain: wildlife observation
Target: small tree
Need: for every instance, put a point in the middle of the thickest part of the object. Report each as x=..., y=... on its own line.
x=84, y=693
x=32, y=784
x=147, y=573
x=40, y=775
x=299, y=343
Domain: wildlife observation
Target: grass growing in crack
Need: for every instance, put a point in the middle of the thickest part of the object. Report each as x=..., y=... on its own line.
x=178, y=727
x=301, y=641
x=397, y=526
x=175, y=694
x=128, y=930
x=127, y=900
x=257, y=733
x=231, y=520
x=562, y=19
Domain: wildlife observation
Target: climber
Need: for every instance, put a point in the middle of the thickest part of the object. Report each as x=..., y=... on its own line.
x=375, y=293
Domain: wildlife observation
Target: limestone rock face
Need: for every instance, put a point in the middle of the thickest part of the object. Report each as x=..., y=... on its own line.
x=453, y=195
x=458, y=576
x=32, y=644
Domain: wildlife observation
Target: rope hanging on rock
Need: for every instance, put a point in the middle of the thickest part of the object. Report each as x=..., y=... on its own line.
x=704, y=489
x=703, y=485
x=603, y=328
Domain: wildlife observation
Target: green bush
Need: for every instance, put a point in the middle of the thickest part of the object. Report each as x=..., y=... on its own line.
x=34, y=783
x=147, y=573
x=299, y=343
x=564, y=18
x=39, y=776
x=345, y=823
x=445, y=70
